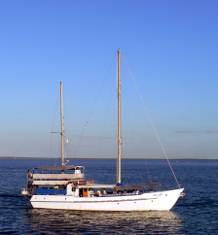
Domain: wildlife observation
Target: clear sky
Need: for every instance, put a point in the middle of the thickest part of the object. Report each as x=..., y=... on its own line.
x=169, y=57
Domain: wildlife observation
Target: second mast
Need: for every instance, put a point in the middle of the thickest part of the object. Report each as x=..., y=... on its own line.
x=119, y=120
x=62, y=123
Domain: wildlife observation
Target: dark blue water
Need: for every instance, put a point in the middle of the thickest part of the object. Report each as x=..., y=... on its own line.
x=197, y=213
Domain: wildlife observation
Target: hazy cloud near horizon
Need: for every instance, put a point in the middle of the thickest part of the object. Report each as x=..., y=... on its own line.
x=209, y=131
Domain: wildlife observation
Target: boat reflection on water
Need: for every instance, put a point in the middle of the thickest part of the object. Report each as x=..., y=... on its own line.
x=71, y=222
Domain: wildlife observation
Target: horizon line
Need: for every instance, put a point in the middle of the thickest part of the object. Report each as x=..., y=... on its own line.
x=106, y=158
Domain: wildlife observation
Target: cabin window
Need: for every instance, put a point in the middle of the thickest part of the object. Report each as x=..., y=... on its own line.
x=85, y=192
x=80, y=192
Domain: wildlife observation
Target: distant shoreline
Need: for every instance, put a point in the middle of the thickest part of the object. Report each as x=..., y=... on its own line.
x=96, y=158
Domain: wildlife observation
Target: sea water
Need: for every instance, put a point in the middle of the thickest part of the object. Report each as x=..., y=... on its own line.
x=196, y=213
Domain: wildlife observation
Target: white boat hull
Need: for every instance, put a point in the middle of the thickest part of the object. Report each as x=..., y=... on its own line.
x=152, y=201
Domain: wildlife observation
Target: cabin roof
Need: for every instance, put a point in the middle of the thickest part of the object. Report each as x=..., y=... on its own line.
x=129, y=187
x=96, y=186
x=59, y=168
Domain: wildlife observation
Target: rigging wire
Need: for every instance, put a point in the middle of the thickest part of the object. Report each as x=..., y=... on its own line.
x=153, y=126
x=91, y=112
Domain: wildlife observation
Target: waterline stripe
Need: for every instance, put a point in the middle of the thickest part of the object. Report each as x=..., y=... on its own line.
x=97, y=201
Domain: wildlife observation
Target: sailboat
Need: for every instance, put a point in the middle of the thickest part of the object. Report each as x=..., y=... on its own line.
x=65, y=187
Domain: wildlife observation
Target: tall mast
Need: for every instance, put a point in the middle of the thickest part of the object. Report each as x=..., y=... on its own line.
x=119, y=120
x=62, y=123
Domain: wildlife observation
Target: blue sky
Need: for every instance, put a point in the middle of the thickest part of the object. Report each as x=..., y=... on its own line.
x=169, y=57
